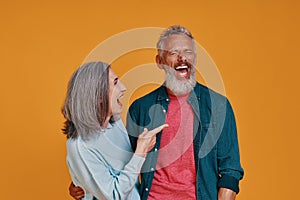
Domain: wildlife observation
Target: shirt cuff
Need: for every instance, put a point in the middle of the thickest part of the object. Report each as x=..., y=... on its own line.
x=229, y=182
x=137, y=162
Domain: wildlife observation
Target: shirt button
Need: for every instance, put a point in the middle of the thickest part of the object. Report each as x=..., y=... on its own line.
x=146, y=189
x=167, y=99
x=152, y=169
x=164, y=110
x=155, y=149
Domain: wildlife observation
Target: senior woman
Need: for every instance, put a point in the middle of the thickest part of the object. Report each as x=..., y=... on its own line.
x=99, y=155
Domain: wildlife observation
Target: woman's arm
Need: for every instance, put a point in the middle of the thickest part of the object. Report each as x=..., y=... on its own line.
x=97, y=177
x=90, y=171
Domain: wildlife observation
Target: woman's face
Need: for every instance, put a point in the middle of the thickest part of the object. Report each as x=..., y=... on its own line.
x=116, y=91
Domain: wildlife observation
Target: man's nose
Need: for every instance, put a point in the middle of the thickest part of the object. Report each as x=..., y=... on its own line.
x=181, y=56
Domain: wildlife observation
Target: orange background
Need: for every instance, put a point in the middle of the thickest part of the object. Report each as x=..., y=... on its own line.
x=255, y=45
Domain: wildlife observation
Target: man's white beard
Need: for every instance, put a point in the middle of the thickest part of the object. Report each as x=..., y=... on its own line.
x=179, y=87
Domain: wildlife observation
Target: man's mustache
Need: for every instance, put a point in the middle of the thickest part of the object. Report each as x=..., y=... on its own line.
x=182, y=64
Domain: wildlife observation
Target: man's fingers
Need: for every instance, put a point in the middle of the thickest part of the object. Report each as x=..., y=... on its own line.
x=79, y=194
x=76, y=192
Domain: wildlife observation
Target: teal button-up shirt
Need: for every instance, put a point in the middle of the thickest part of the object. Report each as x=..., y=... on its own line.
x=216, y=150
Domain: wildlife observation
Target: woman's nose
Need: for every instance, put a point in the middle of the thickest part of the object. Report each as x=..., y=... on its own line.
x=122, y=86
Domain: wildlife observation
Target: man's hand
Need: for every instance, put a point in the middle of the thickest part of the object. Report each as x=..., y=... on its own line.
x=76, y=192
x=226, y=194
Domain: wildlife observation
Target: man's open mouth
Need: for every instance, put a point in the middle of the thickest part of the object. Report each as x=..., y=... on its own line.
x=182, y=68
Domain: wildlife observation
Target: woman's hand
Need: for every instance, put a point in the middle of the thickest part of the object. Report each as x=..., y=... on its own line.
x=147, y=140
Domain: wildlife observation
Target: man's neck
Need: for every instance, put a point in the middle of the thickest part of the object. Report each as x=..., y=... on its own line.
x=169, y=92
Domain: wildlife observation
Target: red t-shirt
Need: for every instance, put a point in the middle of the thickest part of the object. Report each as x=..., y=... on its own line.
x=175, y=175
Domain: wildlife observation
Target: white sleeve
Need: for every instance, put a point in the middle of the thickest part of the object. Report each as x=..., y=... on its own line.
x=91, y=172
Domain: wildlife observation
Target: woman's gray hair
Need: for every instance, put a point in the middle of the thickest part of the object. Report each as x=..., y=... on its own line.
x=176, y=29
x=87, y=101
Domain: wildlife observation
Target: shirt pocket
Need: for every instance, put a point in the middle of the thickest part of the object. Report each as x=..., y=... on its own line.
x=209, y=139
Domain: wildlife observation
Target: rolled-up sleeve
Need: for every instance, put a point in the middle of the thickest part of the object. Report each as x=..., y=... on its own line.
x=230, y=169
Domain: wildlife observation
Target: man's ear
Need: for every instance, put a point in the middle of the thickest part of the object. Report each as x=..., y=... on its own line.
x=159, y=62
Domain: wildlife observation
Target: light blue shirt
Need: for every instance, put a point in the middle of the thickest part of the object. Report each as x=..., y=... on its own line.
x=103, y=164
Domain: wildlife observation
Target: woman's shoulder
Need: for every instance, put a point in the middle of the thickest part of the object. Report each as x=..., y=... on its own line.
x=81, y=150
x=79, y=144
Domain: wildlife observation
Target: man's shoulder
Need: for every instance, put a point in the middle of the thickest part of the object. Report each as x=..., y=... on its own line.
x=207, y=93
x=150, y=97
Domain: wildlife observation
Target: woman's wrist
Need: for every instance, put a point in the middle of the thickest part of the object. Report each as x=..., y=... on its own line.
x=141, y=154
